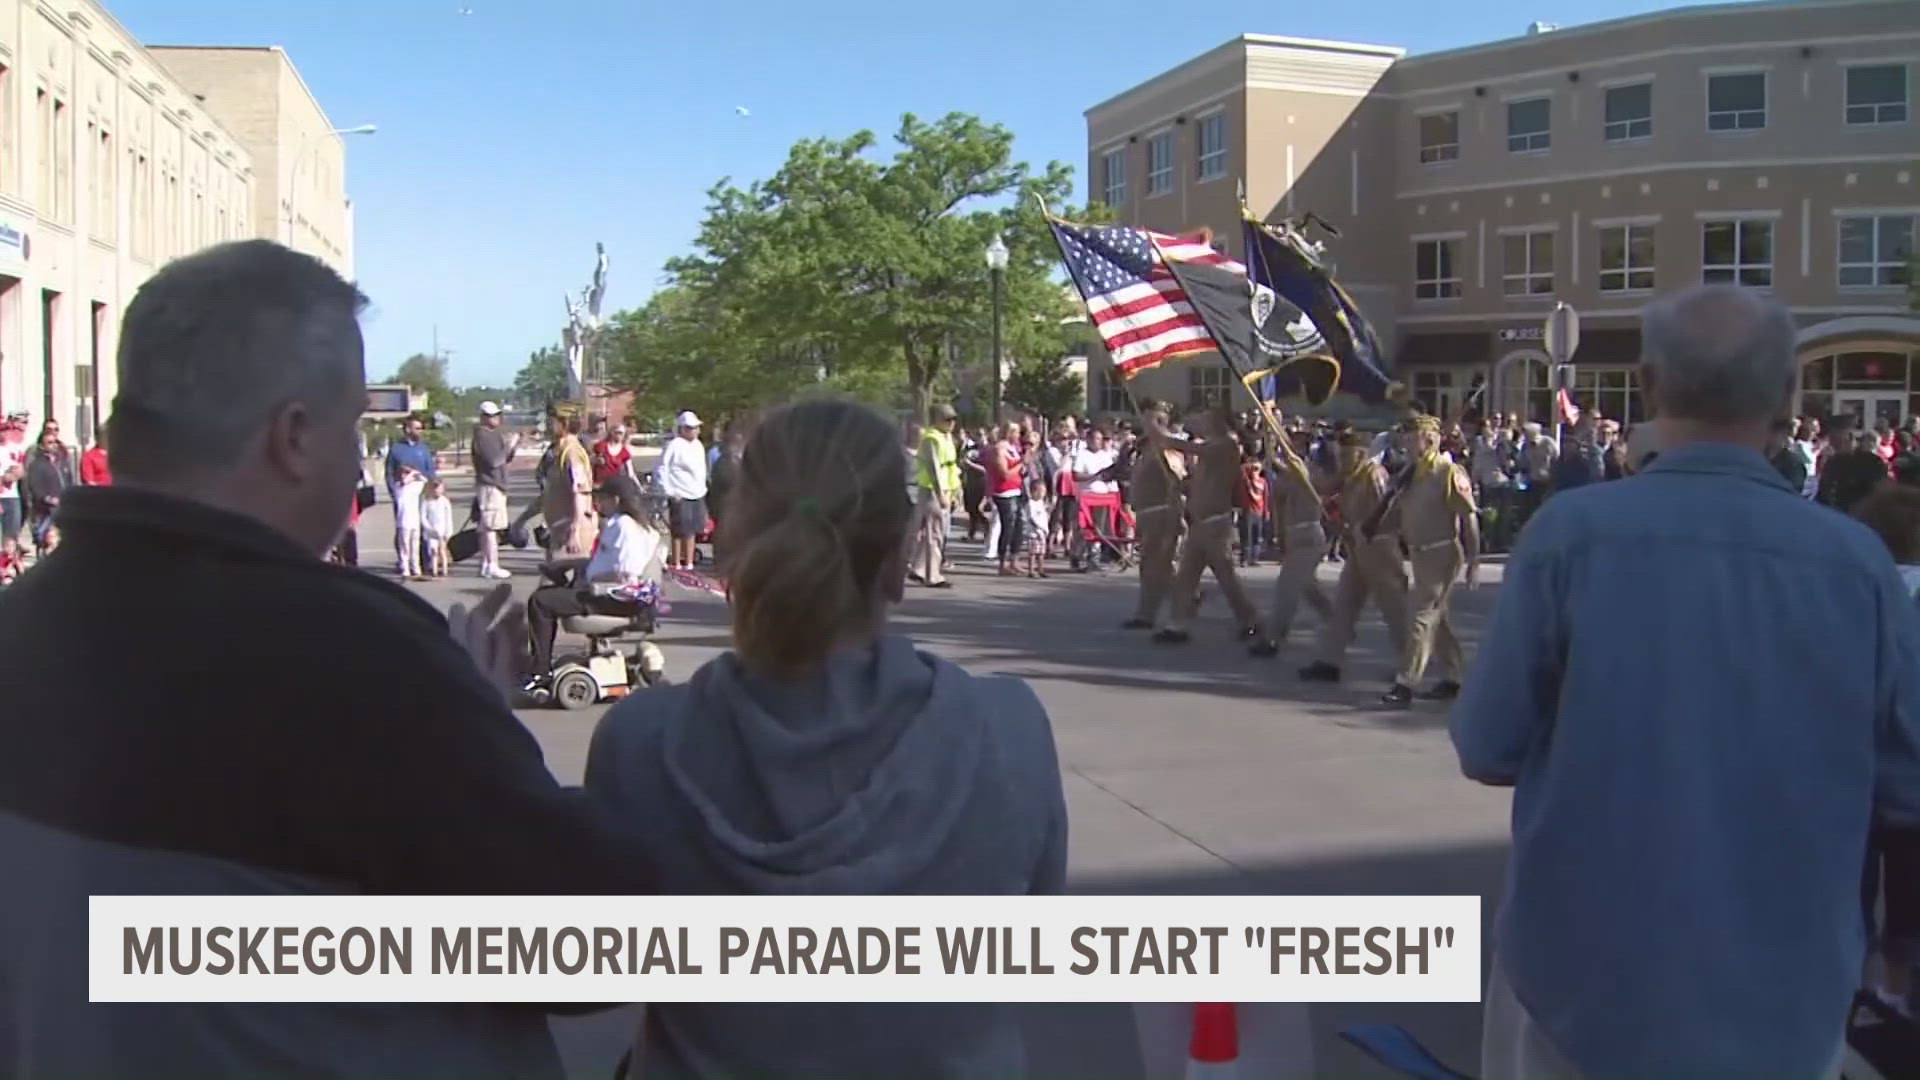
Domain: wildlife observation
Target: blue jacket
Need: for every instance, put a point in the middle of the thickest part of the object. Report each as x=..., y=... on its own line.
x=417, y=456
x=1703, y=689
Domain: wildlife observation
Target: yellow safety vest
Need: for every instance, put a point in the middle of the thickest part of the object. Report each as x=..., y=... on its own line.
x=944, y=459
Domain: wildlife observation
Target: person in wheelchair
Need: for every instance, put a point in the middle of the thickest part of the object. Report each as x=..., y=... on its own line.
x=625, y=558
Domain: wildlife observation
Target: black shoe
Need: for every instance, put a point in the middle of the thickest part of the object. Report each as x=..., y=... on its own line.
x=1171, y=637
x=941, y=584
x=1397, y=695
x=1264, y=648
x=1320, y=671
x=1137, y=623
x=1444, y=690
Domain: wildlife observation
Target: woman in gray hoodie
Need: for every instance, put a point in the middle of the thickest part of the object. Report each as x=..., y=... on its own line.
x=826, y=756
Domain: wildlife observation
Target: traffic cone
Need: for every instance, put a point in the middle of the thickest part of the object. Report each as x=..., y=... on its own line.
x=1214, y=1052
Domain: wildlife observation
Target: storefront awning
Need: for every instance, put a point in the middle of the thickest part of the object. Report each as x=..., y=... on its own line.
x=1459, y=348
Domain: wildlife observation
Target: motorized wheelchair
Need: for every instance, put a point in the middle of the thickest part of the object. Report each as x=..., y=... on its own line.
x=604, y=670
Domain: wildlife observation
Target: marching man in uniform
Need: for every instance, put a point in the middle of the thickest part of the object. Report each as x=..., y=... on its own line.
x=1372, y=570
x=1303, y=544
x=1215, y=469
x=1435, y=516
x=1157, y=511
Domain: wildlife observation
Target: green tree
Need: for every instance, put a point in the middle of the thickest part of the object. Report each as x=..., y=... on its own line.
x=860, y=272
x=425, y=374
x=1046, y=388
x=542, y=380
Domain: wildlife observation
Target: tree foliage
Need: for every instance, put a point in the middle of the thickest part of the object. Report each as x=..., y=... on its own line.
x=1045, y=387
x=425, y=374
x=543, y=379
x=862, y=273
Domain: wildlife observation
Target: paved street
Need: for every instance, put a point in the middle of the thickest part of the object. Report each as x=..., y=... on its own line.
x=1190, y=770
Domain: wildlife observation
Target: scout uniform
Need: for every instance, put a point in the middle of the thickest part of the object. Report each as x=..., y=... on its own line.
x=1157, y=510
x=1427, y=516
x=1210, y=536
x=1372, y=570
x=1303, y=543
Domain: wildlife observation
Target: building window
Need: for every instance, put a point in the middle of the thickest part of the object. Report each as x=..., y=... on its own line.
x=1629, y=112
x=1113, y=177
x=106, y=187
x=62, y=162
x=1439, y=138
x=1113, y=394
x=1613, y=394
x=1213, y=147
x=9, y=181
x=1877, y=94
x=1626, y=258
x=1436, y=271
x=1740, y=252
x=43, y=140
x=1433, y=388
x=1160, y=163
x=1207, y=385
x=1875, y=250
x=1529, y=125
x=1737, y=102
x=141, y=205
x=1527, y=263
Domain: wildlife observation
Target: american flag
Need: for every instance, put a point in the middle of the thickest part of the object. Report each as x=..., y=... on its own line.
x=1142, y=313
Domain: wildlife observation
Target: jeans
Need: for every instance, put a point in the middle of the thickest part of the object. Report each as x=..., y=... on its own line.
x=1253, y=536
x=1012, y=511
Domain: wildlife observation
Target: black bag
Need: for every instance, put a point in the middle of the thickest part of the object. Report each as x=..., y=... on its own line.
x=363, y=498
x=465, y=544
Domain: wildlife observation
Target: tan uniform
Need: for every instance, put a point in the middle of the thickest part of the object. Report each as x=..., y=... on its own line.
x=1157, y=510
x=1303, y=543
x=1373, y=570
x=1210, y=536
x=1426, y=516
x=569, y=480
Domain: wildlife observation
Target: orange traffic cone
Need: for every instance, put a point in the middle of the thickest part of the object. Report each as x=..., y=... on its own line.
x=1214, y=1052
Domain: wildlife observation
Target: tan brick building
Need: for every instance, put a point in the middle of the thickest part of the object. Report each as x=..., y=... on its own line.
x=300, y=197
x=1771, y=143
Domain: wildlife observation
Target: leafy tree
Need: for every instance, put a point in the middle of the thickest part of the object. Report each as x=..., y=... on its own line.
x=1046, y=388
x=543, y=379
x=425, y=374
x=859, y=272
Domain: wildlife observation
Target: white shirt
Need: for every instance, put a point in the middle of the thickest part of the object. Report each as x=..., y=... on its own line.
x=626, y=551
x=406, y=507
x=1804, y=448
x=683, y=469
x=1039, y=515
x=436, y=517
x=12, y=455
x=1383, y=442
x=1088, y=463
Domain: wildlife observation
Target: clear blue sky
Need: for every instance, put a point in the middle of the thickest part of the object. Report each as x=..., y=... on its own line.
x=514, y=137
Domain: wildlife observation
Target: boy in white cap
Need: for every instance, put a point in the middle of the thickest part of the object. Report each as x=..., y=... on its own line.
x=682, y=473
x=492, y=452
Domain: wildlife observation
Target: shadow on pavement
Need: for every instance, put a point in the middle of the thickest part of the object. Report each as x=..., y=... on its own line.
x=1099, y=1041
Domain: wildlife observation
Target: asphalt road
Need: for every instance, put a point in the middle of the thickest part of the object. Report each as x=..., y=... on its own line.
x=1190, y=770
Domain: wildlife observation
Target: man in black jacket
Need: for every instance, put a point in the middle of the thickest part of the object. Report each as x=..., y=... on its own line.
x=198, y=704
x=1853, y=470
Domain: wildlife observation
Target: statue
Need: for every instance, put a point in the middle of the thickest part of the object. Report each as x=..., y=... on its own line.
x=583, y=326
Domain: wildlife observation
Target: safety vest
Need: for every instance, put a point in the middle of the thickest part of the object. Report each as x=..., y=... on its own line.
x=944, y=459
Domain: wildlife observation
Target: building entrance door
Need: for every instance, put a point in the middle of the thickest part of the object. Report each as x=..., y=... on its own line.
x=1869, y=407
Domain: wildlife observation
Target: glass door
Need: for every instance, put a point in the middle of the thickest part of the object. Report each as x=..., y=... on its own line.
x=1869, y=408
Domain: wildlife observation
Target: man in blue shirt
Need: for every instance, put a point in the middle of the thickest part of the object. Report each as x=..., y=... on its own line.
x=411, y=452
x=1703, y=690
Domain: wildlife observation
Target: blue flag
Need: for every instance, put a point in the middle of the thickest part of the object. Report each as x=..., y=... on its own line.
x=1280, y=259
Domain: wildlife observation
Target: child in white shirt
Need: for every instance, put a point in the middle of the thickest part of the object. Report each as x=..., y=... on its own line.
x=1039, y=511
x=407, y=523
x=436, y=524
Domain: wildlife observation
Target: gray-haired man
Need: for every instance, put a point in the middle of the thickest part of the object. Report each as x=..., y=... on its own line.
x=1704, y=691
x=272, y=724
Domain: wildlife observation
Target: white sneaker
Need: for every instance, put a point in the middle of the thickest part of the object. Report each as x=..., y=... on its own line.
x=498, y=573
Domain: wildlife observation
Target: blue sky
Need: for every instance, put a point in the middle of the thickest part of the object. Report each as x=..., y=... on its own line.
x=514, y=137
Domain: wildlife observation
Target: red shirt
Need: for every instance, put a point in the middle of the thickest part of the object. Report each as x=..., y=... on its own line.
x=93, y=468
x=1003, y=472
x=1253, y=488
x=609, y=460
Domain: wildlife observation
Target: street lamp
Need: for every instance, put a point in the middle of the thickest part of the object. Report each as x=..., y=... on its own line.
x=293, y=178
x=997, y=268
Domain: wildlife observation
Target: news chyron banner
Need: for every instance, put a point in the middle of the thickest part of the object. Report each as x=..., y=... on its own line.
x=784, y=949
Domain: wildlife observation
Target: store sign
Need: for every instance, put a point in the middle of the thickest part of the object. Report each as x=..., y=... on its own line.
x=1522, y=333
x=13, y=242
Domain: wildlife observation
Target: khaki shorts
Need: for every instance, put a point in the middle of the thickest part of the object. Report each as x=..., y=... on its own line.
x=490, y=508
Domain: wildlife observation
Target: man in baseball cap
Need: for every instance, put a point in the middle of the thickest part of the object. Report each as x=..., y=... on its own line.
x=492, y=452
x=682, y=473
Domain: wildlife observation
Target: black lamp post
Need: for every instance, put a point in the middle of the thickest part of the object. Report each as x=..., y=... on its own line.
x=997, y=268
